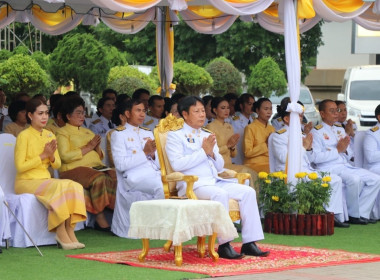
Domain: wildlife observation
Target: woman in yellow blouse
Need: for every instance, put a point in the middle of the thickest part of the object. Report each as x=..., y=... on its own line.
x=56, y=121
x=80, y=152
x=35, y=151
x=256, y=137
x=225, y=137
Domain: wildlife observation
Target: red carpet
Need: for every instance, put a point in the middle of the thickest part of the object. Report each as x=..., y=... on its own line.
x=281, y=258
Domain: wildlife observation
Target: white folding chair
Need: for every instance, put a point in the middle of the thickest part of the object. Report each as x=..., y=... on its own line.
x=5, y=226
x=28, y=210
x=358, y=149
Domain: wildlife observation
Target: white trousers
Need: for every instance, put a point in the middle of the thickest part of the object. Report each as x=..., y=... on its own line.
x=361, y=188
x=222, y=191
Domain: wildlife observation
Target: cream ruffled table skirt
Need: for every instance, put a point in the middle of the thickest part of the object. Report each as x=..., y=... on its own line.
x=179, y=220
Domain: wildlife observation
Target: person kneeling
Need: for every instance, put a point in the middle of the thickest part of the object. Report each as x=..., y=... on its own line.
x=192, y=150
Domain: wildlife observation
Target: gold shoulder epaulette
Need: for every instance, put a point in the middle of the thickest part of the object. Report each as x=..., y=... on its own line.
x=338, y=124
x=205, y=129
x=317, y=127
x=120, y=128
x=235, y=118
x=279, y=119
x=281, y=131
x=96, y=121
x=374, y=129
x=145, y=128
x=149, y=122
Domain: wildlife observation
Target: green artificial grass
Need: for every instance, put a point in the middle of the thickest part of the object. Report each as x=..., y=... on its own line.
x=20, y=263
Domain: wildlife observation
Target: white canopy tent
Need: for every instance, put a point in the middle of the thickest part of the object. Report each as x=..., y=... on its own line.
x=286, y=17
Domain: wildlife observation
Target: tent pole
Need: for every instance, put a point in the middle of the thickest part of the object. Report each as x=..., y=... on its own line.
x=162, y=22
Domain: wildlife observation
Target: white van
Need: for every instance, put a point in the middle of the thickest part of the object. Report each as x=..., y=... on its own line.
x=361, y=92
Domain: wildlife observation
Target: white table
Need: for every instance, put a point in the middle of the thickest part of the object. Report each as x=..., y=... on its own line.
x=179, y=220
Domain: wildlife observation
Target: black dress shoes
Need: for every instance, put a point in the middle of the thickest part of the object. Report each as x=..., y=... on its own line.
x=357, y=221
x=99, y=228
x=370, y=221
x=251, y=249
x=337, y=223
x=226, y=251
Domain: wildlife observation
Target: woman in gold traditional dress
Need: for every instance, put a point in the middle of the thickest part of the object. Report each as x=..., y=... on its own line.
x=256, y=136
x=35, y=151
x=80, y=151
x=226, y=138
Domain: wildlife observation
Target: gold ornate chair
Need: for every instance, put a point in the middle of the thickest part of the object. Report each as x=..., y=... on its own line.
x=170, y=177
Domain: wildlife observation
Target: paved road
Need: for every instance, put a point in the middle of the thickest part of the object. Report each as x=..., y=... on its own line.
x=365, y=271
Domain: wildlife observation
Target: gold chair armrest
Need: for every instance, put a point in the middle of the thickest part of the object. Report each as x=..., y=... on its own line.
x=189, y=179
x=228, y=174
x=242, y=177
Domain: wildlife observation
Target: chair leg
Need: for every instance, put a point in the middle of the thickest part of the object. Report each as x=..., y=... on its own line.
x=7, y=243
x=145, y=249
x=201, y=246
x=168, y=245
x=211, y=247
x=178, y=255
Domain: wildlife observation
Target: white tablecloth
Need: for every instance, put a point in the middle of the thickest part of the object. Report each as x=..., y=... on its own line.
x=179, y=220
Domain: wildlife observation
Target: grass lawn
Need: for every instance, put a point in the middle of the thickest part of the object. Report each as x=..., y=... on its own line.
x=19, y=263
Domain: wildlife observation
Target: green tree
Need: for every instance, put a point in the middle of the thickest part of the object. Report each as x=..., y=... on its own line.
x=42, y=59
x=4, y=55
x=82, y=59
x=225, y=76
x=191, y=79
x=119, y=72
x=21, y=49
x=115, y=57
x=128, y=85
x=23, y=74
x=267, y=77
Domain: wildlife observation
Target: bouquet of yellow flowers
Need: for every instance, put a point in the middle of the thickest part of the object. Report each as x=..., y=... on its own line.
x=275, y=194
x=312, y=192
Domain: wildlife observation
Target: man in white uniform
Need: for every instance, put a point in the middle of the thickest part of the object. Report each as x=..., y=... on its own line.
x=156, y=109
x=100, y=126
x=193, y=151
x=3, y=110
x=332, y=153
x=241, y=119
x=134, y=154
x=371, y=149
x=279, y=148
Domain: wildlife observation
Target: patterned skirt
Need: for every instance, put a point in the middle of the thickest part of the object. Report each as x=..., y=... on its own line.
x=63, y=198
x=99, y=187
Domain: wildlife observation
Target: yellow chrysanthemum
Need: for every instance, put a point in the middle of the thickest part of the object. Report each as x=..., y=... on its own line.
x=326, y=179
x=275, y=198
x=277, y=174
x=301, y=175
x=263, y=175
x=325, y=185
x=313, y=176
x=268, y=181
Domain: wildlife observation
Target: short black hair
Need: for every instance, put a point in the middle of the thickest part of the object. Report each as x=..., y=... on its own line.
x=176, y=97
x=138, y=92
x=244, y=98
x=185, y=103
x=72, y=93
x=14, y=108
x=153, y=98
x=130, y=103
x=102, y=101
x=230, y=96
x=259, y=102
x=322, y=105
x=109, y=90
x=69, y=105
x=54, y=100
x=377, y=111
x=119, y=110
x=122, y=98
x=339, y=102
x=207, y=98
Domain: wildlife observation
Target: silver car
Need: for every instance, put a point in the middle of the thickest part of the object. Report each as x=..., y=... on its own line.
x=311, y=113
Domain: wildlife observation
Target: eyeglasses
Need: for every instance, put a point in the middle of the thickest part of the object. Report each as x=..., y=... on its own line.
x=333, y=111
x=79, y=113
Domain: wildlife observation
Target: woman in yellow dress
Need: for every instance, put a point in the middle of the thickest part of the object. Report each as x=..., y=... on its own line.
x=226, y=138
x=81, y=154
x=256, y=136
x=35, y=151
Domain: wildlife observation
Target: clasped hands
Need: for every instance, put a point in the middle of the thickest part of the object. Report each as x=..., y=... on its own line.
x=49, y=150
x=208, y=144
x=150, y=147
